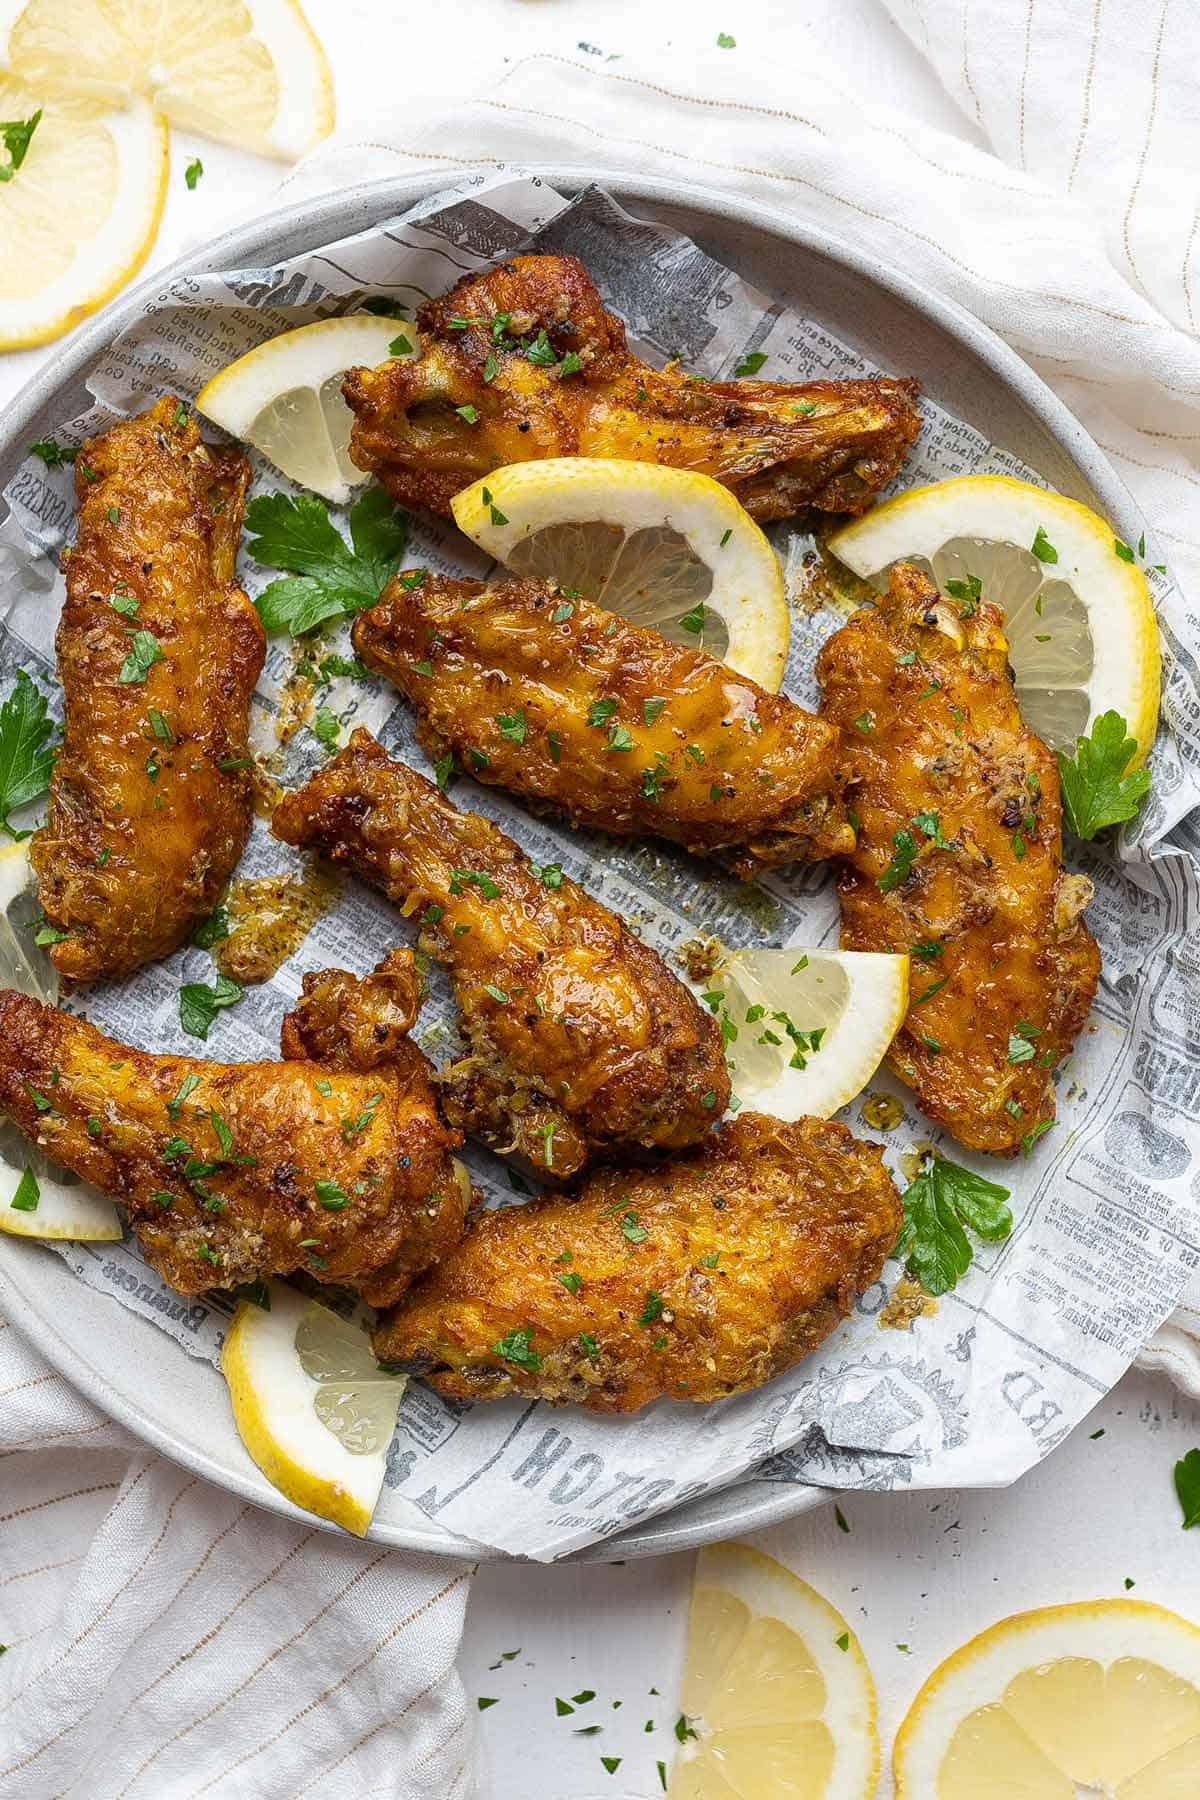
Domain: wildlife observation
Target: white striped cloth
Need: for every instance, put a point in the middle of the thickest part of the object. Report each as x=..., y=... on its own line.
x=167, y=1641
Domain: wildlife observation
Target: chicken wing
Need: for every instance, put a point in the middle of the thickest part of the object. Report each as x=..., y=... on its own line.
x=696, y=1279
x=529, y=353
x=579, y=1036
x=959, y=860
x=158, y=651
x=609, y=723
x=233, y=1171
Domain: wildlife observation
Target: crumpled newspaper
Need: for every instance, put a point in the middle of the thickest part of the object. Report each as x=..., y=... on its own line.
x=1107, y=1208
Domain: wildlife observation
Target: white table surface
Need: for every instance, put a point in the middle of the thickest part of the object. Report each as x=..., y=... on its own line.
x=924, y=1571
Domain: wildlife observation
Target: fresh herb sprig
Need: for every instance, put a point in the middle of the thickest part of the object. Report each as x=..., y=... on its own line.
x=327, y=578
x=942, y=1200
x=26, y=758
x=1096, y=791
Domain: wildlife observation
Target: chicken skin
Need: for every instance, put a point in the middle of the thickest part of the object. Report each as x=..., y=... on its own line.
x=696, y=1279
x=608, y=723
x=959, y=861
x=579, y=1037
x=529, y=348
x=158, y=652
x=234, y=1171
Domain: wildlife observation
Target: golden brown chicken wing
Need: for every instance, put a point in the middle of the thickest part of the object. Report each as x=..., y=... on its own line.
x=232, y=1171
x=529, y=349
x=158, y=651
x=697, y=1279
x=556, y=699
x=959, y=860
x=579, y=1036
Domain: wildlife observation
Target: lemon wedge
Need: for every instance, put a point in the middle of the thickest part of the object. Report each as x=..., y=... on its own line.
x=805, y=1030
x=776, y=1691
x=656, y=545
x=285, y=397
x=1077, y=609
x=79, y=208
x=1101, y=1697
x=311, y=1404
x=248, y=72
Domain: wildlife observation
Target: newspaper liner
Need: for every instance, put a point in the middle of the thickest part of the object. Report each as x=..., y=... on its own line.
x=1107, y=1207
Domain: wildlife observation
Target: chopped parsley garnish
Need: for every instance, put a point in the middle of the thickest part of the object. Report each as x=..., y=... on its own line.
x=931, y=991
x=549, y=874
x=49, y=934
x=327, y=578
x=331, y=1196
x=589, y=1346
x=651, y=710
x=942, y=1200
x=199, y=1005
x=652, y=785
x=1187, y=1486
x=352, y=1128
x=144, y=651
x=555, y=743
x=968, y=592
x=476, y=878
x=601, y=711
x=1096, y=791
x=26, y=760
x=486, y=1700
x=927, y=949
x=631, y=1230
x=224, y=1134
x=619, y=738
x=443, y=769
x=208, y=1254
x=904, y=852
x=516, y=1346
x=469, y=413
x=652, y=1309
x=326, y=727
x=1042, y=548
x=843, y=1640
x=562, y=612
x=865, y=722
x=187, y=1086
x=1123, y=550
x=192, y=174
x=750, y=364
x=496, y=993
x=161, y=726
x=491, y=367
x=541, y=351
x=402, y=346
x=571, y=1282
x=123, y=602
x=53, y=454
x=693, y=621
x=725, y=42
x=27, y=1193
x=15, y=135
x=513, y=726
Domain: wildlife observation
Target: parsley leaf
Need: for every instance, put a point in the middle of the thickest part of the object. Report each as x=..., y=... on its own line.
x=516, y=1346
x=328, y=578
x=725, y=42
x=1096, y=791
x=1187, y=1486
x=1042, y=548
x=213, y=930
x=904, y=851
x=15, y=135
x=192, y=173
x=199, y=1005
x=937, y=1205
x=25, y=757
x=326, y=728
x=751, y=364
x=52, y=453
x=144, y=651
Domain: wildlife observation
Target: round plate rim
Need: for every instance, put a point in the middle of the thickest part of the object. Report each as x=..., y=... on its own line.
x=748, y=1505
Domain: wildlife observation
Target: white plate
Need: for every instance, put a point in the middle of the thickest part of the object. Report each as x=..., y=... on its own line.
x=124, y=1363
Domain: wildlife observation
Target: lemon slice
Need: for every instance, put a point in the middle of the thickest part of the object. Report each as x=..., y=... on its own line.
x=1101, y=1697
x=311, y=1403
x=806, y=1030
x=79, y=212
x=248, y=72
x=1078, y=617
x=775, y=1688
x=37, y=1200
x=285, y=397
x=653, y=544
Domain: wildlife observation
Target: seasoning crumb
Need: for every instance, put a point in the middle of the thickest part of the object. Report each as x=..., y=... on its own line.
x=908, y=1302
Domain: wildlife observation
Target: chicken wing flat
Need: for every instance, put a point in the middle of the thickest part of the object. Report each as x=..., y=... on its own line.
x=580, y=1038
x=158, y=652
x=959, y=860
x=529, y=348
x=233, y=1171
x=696, y=1279
x=576, y=708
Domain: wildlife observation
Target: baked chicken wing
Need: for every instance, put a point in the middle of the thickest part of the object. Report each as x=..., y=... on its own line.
x=572, y=706
x=158, y=652
x=696, y=1279
x=232, y=1171
x=528, y=351
x=579, y=1037
x=959, y=860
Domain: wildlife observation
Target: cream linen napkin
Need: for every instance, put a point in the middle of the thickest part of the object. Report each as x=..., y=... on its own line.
x=1076, y=238
x=165, y=1639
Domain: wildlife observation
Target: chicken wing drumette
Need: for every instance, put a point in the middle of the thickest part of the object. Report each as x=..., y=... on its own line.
x=579, y=1036
x=959, y=860
x=529, y=349
x=696, y=1279
x=158, y=652
x=233, y=1171
x=609, y=723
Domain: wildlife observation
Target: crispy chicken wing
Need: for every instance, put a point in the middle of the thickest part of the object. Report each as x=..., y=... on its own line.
x=696, y=1279
x=609, y=723
x=530, y=348
x=959, y=860
x=158, y=651
x=231, y=1171
x=579, y=1036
